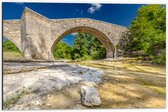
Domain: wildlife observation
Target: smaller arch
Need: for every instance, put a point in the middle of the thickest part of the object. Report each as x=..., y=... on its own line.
x=16, y=44
x=18, y=50
x=110, y=49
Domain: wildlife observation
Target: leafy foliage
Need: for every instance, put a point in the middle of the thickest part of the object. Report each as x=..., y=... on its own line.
x=87, y=46
x=161, y=59
x=8, y=46
x=62, y=51
x=147, y=32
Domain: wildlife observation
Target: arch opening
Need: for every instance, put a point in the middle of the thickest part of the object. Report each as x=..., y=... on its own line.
x=10, y=49
x=101, y=38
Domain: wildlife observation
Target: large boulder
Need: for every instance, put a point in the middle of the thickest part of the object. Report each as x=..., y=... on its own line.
x=90, y=96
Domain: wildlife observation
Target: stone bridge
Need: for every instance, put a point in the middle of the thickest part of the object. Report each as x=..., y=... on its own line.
x=36, y=35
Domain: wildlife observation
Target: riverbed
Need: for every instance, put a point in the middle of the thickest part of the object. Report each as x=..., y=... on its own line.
x=56, y=85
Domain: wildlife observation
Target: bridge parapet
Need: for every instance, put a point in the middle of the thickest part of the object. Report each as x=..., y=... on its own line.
x=112, y=31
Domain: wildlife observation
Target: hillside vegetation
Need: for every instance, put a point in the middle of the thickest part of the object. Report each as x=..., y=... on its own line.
x=147, y=34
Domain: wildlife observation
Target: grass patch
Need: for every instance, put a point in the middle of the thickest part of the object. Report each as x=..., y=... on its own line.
x=148, y=83
x=154, y=87
x=159, y=90
x=9, y=102
x=12, y=55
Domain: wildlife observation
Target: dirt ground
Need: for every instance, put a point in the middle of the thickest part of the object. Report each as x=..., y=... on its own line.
x=130, y=85
x=12, y=55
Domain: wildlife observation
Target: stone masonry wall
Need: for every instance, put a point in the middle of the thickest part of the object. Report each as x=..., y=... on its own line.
x=11, y=31
x=37, y=35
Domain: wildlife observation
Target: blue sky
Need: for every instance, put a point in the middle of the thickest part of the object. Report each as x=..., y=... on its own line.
x=121, y=14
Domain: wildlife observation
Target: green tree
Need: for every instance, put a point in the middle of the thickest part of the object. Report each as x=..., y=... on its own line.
x=97, y=50
x=147, y=32
x=80, y=47
x=62, y=51
x=87, y=46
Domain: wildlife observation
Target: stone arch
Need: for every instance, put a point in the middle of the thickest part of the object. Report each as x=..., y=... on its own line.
x=12, y=31
x=110, y=49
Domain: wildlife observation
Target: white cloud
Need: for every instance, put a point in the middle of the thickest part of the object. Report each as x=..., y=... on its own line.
x=74, y=34
x=94, y=7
